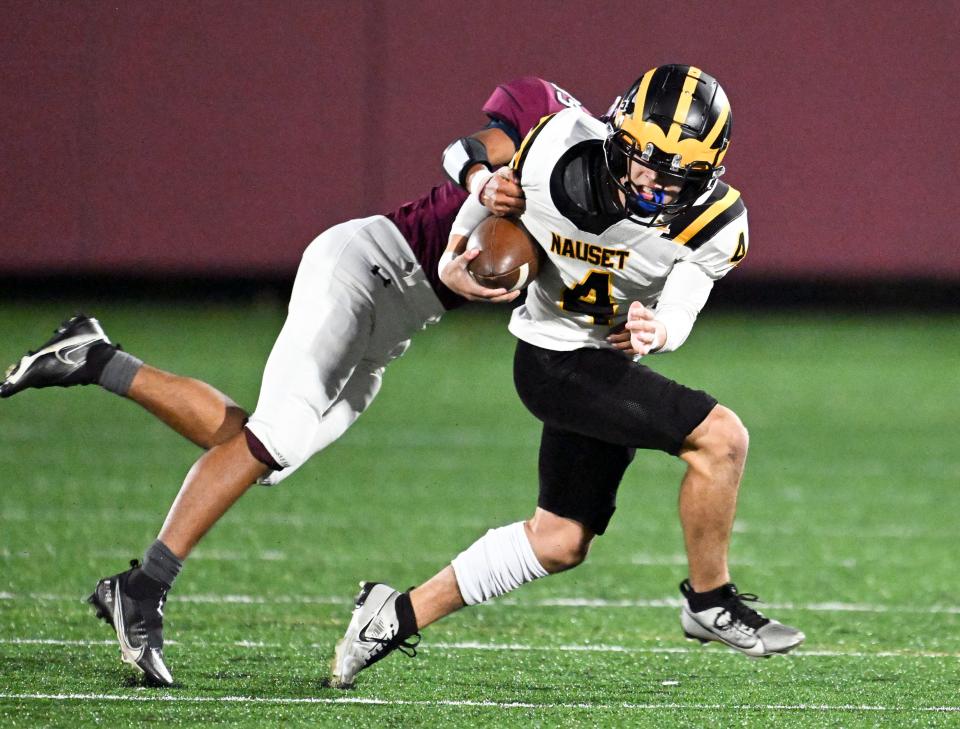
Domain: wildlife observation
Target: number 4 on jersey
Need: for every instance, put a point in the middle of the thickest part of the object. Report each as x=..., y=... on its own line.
x=741, y=252
x=592, y=297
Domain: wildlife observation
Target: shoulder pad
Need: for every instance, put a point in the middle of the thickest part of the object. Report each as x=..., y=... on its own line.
x=700, y=223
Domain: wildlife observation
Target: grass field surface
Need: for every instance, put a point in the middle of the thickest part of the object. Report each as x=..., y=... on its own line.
x=847, y=528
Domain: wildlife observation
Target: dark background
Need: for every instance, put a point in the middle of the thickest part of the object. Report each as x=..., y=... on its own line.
x=185, y=141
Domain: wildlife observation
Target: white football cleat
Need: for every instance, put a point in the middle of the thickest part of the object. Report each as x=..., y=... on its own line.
x=372, y=634
x=737, y=625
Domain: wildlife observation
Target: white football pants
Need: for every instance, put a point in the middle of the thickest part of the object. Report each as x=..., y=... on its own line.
x=344, y=324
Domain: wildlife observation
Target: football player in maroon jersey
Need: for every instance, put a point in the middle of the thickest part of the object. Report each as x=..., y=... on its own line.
x=362, y=289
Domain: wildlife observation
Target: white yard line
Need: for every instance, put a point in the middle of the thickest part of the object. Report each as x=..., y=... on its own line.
x=494, y=647
x=550, y=602
x=172, y=698
x=323, y=520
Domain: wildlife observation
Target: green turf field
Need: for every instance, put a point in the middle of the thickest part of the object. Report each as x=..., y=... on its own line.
x=847, y=528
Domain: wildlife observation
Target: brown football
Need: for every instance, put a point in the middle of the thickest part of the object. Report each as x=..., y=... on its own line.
x=509, y=256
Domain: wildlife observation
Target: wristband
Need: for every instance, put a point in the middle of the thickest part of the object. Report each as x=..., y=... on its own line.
x=478, y=180
x=462, y=154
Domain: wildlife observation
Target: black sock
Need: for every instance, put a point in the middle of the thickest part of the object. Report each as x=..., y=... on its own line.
x=140, y=585
x=711, y=598
x=160, y=564
x=97, y=359
x=405, y=616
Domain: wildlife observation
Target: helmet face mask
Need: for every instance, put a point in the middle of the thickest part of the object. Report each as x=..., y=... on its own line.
x=675, y=121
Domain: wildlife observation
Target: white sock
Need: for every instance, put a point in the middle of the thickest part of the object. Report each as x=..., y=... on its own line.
x=500, y=561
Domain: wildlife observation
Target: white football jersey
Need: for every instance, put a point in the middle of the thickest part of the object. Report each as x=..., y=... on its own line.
x=588, y=281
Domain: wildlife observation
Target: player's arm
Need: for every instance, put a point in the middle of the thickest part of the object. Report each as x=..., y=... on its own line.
x=667, y=327
x=514, y=108
x=471, y=161
x=453, y=263
x=687, y=289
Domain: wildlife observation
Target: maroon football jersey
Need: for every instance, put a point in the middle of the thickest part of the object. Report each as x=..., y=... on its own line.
x=426, y=221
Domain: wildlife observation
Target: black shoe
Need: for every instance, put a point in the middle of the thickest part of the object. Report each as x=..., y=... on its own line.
x=138, y=622
x=60, y=361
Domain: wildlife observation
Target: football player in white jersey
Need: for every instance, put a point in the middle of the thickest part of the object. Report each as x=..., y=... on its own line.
x=636, y=227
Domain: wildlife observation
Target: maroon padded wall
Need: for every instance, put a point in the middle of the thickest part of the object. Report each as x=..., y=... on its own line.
x=221, y=136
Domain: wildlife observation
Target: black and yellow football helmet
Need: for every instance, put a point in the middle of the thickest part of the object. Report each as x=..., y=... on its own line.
x=675, y=120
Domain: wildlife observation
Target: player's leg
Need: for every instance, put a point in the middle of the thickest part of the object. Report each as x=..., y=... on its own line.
x=618, y=401
x=578, y=483
x=327, y=335
x=558, y=544
x=715, y=454
x=80, y=353
x=193, y=408
x=132, y=601
x=502, y=560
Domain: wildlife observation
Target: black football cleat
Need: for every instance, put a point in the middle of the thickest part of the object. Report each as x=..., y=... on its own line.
x=138, y=622
x=61, y=361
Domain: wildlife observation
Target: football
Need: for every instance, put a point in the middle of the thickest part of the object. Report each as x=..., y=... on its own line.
x=509, y=256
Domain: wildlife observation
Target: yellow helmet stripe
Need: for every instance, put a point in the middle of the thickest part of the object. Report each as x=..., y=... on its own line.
x=683, y=104
x=641, y=97
x=718, y=126
x=708, y=215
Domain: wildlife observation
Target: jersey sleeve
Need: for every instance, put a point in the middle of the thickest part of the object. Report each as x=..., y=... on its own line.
x=725, y=249
x=523, y=102
x=720, y=239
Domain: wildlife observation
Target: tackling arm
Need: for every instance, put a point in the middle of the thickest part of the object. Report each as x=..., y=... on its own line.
x=485, y=150
x=470, y=162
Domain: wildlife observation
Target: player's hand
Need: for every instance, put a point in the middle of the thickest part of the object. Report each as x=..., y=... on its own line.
x=457, y=278
x=646, y=333
x=502, y=194
x=619, y=339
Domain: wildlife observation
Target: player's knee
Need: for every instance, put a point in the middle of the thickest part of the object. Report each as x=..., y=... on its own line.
x=234, y=418
x=721, y=439
x=562, y=557
x=560, y=544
